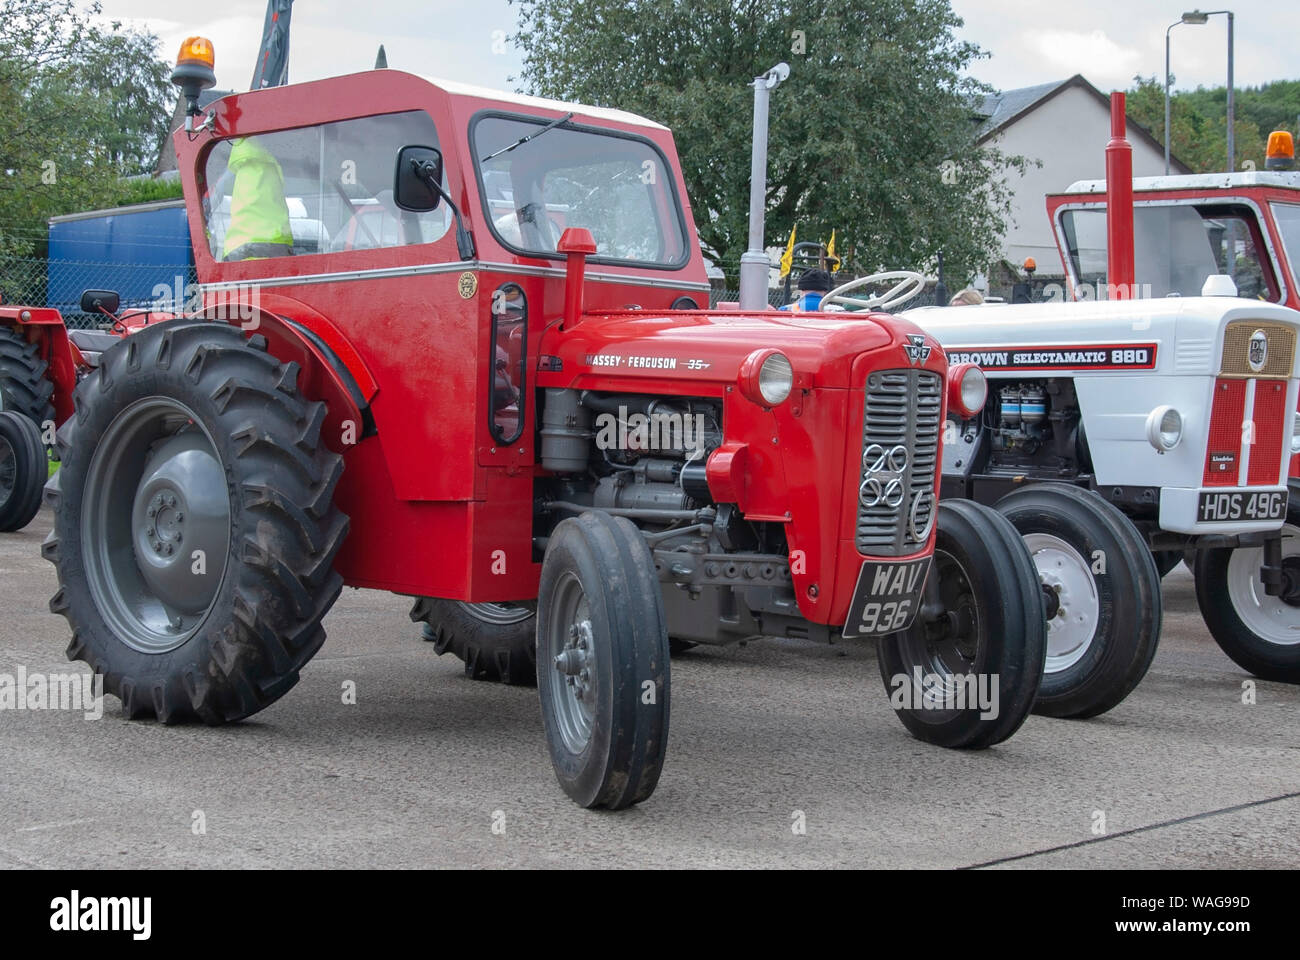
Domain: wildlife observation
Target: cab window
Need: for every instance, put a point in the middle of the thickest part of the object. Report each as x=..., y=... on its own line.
x=321, y=189
x=1177, y=246
x=1287, y=218
x=538, y=181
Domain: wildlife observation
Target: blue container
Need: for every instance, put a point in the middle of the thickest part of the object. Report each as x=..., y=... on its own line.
x=134, y=250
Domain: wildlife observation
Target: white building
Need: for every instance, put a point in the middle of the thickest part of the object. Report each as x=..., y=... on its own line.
x=1065, y=126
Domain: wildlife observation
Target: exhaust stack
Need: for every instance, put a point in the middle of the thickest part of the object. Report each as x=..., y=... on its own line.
x=754, y=265
x=1120, y=266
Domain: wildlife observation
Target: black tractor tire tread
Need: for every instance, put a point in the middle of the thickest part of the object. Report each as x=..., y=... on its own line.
x=280, y=580
x=1255, y=655
x=31, y=470
x=634, y=744
x=24, y=380
x=1018, y=627
x=505, y=653
x=1133, y=566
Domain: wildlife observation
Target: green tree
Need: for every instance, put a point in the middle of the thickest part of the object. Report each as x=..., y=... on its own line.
x=872, y=135
x=81, y=106
x=1198, y=120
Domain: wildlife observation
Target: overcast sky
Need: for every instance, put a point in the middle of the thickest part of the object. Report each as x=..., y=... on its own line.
x=1028, y=41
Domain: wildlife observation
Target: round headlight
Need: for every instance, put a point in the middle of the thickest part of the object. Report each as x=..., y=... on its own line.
x=766, y=377
x=1164, y=428
x=775, y=378
x=968, y=388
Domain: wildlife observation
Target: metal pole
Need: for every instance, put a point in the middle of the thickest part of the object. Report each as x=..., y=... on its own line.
x=1232, y=153
x=754, y=265
x=1167, y=79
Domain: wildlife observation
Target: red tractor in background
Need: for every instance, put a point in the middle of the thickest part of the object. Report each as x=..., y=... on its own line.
x=472, y=368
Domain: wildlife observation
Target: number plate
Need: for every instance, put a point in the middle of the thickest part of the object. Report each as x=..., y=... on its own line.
x=886, y=598
x=1227, y=507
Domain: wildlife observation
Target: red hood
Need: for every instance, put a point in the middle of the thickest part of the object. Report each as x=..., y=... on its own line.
x=709, y=346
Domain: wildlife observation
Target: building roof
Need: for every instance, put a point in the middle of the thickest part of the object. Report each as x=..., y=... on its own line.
x=996, y=112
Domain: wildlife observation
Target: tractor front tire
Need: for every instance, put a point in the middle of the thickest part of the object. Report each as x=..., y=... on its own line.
x=24, y=468
x=194, y=524
x=980, y=635
x=497, y=641
x=24, y=386
x=1261, y=633
x=1102, y=589
x=602, y=661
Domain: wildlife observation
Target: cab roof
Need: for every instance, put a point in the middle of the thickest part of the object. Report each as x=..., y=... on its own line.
x=1198, y=181
x=456, y=88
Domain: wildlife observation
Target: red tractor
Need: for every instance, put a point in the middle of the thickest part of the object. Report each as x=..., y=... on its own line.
x=453, y=347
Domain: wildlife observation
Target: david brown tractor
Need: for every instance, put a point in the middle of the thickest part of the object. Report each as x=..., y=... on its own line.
x=1176, y=408
x=441, y=391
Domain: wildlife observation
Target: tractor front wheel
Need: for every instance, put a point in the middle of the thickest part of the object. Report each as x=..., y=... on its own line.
x=1261, y=633
x=194, y=524
x=967, y=672
x=24, y=468
x=1102, y=591
x=602, y=661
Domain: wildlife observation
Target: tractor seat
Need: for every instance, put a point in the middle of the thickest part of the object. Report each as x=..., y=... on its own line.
x=96, y=340
x=92, y=343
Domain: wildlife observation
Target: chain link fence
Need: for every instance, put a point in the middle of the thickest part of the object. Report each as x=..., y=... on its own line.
x=59, y=284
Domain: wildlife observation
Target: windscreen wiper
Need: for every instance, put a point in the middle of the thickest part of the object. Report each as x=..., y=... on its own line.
x=532, y=136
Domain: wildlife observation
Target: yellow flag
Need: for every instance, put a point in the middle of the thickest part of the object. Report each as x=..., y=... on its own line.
x=787, y=258
x=830, y=253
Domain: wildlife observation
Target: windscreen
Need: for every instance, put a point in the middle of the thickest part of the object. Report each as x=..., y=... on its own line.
x=616, y=186
x=1177, y=246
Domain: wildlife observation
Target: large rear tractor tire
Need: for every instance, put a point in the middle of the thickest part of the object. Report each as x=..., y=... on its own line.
x=194, y=524
x=24, y=386
x=967, y=672
x=1259, y=632
x=602, y=661
x=24, y=468
x=1102, y=591
x=497, y=641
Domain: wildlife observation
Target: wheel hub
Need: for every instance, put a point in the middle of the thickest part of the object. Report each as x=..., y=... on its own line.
x=1073, y=607
x=154, y=568
x=572, y=661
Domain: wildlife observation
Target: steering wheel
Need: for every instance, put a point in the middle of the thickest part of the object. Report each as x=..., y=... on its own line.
x=907, y=285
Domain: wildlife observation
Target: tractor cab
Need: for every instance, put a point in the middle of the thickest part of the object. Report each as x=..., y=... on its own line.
x=1243, y=225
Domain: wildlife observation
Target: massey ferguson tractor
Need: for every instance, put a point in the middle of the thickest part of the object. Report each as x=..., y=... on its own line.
x=452, y=347
x=1169, y=390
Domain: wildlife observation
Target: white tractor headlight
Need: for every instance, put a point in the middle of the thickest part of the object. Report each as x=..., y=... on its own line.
x=1164, y=428
x=766, y=377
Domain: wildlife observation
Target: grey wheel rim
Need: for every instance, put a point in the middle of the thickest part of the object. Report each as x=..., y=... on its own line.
x=155, y=525
x=8, y=471
x=497, y=614
x=572, y=655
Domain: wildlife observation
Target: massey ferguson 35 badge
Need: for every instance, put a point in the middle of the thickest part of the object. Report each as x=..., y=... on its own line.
x=1094, y=356
x=608, y=360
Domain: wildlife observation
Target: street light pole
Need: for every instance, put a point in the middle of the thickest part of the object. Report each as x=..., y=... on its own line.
x=1232, y=153
x=1168, y=80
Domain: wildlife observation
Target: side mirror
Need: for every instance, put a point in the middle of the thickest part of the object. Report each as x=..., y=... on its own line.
x=100, y=301
x=416, y=166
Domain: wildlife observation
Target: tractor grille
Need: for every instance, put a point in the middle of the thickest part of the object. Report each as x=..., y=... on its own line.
x=900, y=446
x=1277, y=339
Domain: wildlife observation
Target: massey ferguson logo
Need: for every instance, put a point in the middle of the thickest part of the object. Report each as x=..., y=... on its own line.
x=1257, y=351
x=884, y=471
x=916, y=349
